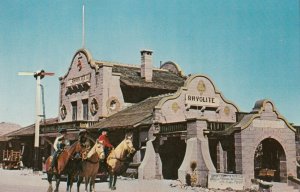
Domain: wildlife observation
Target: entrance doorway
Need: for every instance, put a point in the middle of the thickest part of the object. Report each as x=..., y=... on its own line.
x=270, y=161
x=172, y=153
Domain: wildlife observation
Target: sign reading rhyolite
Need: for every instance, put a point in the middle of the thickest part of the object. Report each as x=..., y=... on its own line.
x=198, y=100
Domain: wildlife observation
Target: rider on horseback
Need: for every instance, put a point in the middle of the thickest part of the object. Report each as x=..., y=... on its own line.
x=59, y=145
x=84, y=142
x=103, y=138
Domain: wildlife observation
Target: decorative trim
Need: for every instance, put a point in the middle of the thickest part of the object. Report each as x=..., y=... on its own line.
x=201, y=87
x=113, y=104
x=184, y=88
x=175, y=107
x=89, y=58
x=79, y=63
x=94, y=106
x=63, y=112
x=226, y=110
x=279, y=116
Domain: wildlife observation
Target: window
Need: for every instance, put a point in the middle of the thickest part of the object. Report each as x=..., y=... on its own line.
x=74, y=111
x=85, y=107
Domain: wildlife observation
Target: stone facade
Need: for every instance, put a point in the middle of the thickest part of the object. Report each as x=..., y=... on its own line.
x=151, y=167
x=196, y=104
x=197, y=99
x=91, y=82
x=267, y=123
x=205, y=110
x=92, y=91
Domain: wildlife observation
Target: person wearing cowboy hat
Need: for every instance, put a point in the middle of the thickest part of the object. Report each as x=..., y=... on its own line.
x=58, y=145
x=103, y=138
x=82, y=136
x=84, y=142
x=107, y=147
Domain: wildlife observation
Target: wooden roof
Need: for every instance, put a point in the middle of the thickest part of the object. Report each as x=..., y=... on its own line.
x=28, y=130
x=8, y=127
x=162, y=79
x=133, y=116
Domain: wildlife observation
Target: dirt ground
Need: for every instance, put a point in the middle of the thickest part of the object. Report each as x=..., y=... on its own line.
x=27, y=181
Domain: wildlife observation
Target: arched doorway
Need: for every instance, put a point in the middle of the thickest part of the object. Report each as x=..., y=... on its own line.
x=172, y=153
x=270, y=161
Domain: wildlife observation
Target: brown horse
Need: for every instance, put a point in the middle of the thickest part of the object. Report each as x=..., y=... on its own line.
x=62, y=162
x=90, y=167
x=118, y=160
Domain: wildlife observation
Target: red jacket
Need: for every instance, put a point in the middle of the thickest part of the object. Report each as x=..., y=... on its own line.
x=105, y=141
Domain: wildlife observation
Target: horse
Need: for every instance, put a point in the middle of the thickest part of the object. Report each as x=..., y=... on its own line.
x=72, y=169
x=62, y=162
x=118, y=160
x=90, y=167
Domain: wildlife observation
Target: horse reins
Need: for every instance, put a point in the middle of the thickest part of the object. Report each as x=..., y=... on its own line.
x=122, y=160
x=93, y=162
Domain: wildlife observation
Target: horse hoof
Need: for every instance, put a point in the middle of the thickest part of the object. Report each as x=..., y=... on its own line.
x=50, y=189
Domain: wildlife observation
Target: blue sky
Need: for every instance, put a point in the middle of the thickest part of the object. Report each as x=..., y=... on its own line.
x=249, y=48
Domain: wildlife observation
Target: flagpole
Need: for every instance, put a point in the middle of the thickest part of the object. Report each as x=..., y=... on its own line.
x=83, y=40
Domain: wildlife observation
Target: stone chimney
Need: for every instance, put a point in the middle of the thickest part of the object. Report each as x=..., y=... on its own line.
x=146, y=65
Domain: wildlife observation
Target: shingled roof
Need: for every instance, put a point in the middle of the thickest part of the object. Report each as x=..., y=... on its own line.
x=25, y=131
x=162, y=79
x=8, y=127
x=137, y=114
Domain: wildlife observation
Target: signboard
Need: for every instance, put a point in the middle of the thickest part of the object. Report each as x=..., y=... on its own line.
x=198, y=100
x=223, y=181
x=79, y=80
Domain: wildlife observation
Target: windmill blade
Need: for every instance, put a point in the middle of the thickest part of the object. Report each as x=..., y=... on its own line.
x=26, y=73
x=47, y=73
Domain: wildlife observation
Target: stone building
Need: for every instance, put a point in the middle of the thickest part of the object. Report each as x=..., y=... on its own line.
x=92, y=90
x=177, y=121
x=198, y=124
x=218, y=137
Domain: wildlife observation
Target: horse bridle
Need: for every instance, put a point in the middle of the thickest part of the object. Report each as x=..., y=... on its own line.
x=93, y=162
x=122, y=160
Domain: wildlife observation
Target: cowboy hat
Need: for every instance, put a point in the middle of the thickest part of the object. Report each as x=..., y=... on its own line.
x=82, y=131
x=103, y=129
